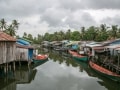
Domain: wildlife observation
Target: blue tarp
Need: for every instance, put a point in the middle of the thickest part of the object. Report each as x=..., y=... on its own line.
x=75, y=47
x=22, y=42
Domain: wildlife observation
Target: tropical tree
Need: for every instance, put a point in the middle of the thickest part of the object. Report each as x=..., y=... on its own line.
x=68, y=34
x=114, y=31
x=82, y=35
x=10, y=29
x=75, y=35
x=24, y=35
x=15, y=24
x=102, y=33
x=2, y=24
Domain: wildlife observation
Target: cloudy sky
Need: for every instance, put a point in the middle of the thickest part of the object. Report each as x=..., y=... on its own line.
x=41, y=16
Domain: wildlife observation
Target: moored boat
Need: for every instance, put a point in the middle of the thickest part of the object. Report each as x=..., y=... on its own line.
x=40, y=58
x=105, y=72
x=77, y=56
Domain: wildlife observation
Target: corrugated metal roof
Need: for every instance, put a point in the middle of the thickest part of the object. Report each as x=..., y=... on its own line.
x=24, y=46
x=6, y=37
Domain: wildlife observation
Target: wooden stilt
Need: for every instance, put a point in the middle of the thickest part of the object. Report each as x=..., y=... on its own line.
x=14, y=65
x=5, y=69
x=19, y=63
x=1, y=67
x=10, y=67
x=29, y=63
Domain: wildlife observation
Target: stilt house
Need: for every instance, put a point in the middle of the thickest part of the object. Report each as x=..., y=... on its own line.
x=7, y=48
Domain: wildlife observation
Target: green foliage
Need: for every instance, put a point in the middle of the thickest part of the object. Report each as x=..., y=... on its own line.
x=9, y=29
x=101, y=33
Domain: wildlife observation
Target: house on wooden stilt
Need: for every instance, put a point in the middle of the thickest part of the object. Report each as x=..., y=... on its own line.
x=7, y=48
x=24, y=51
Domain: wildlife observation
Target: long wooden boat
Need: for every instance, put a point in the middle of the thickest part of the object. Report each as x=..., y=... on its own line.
x=105, y=72
x=72, y=52
x=40, y=58
x=79, y=57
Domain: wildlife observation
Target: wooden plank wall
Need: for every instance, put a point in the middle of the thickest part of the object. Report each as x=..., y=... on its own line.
x=21, y=54
x=7, y=52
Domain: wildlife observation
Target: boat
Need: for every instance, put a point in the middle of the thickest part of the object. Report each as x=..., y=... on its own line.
x=77, y=56
x=40, y=58
x=105, y=72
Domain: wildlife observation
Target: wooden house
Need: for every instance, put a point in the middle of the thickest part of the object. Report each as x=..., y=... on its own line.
x=7, y=48
x=24, y=50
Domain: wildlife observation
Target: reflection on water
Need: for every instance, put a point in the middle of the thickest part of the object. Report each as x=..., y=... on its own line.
x=22, y=75
x=60, y=72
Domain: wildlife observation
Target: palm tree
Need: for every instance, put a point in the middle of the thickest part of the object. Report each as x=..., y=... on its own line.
x=114, y=31
x=15, y=24
x=83, y=33
x=11, y=30
x=68, y=34
x=2, y=24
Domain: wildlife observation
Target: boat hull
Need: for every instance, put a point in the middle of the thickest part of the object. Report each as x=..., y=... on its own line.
x=105, y=72
x=79, y=57
x=39, y=61
x=40, y=58
x=84, y=58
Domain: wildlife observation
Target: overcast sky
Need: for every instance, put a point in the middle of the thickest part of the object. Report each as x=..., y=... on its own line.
x=41, y=16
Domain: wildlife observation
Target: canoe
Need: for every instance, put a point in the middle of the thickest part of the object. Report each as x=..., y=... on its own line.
x=79, y=57
x=105, y=72
x=40, y=58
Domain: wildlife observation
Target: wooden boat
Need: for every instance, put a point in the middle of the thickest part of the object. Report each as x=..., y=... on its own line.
x=105, y=72
x=72, y=52
x=80, y=57
x=40, y=58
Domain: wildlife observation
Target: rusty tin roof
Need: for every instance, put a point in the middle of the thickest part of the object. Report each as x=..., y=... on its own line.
x=6, y=37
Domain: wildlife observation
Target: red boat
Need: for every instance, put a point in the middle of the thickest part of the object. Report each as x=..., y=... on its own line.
x=73, y=52
x=105, y=72
x=40, y=58
x=79, y=57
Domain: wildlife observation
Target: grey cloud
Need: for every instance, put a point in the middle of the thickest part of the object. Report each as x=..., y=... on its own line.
x=72, y=4
x=83, y=19
x=102, y=4
x=72, y=19
x=53, y=16
x=111, y=20
x=15, y=8
x=58, y=13
x=90, y=4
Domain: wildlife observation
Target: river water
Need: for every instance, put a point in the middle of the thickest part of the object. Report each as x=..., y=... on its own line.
x=58, y=73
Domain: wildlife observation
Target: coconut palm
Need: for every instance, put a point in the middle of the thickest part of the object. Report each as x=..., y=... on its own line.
x=114, y=30
x=15, y=24
x=11, y=30
x=2, y=24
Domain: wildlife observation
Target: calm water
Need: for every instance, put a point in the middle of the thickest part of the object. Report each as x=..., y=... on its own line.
x=58, y=73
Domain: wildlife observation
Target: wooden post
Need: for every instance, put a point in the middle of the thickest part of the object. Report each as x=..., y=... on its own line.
x=19, y=63
x=5, y=69
x=10, y=67
x=14, y=65
x=7, y=66
x=0, y=66
x=118, y=60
